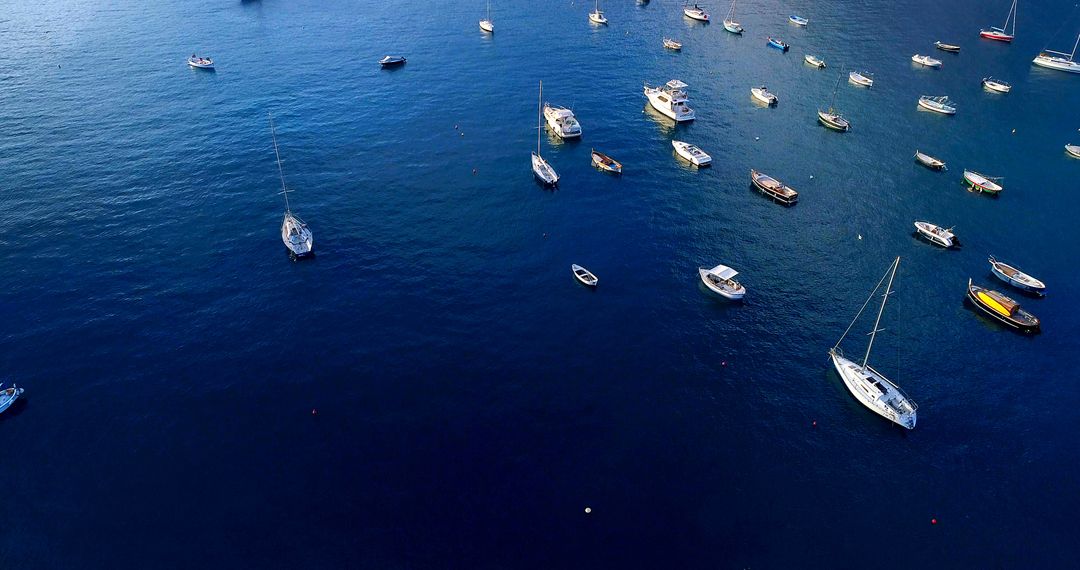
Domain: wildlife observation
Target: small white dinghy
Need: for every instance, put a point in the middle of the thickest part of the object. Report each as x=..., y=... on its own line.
x=996, y=85
x=1073, y=150
x=763, y=95
x=1013, y=276
x=584, y=276
x=672, y=44
x=200, y=62
x=695, y=155
x=937, y=235
x=861, y=78
x=721, y=280
x=938, y=104
x=814, y=61
x=926, y=60
x=8, y=396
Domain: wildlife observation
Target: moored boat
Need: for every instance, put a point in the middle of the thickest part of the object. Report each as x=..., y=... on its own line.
x=937, y=235
x=721, y=280
x=486, y=24
x=696, y=12
x=929, y=161
x=1002, y=308
x=1060, y=61
x=392, y=60
x=295, y=233
x=584, y=276
x=996, y=85
x=200, y=62
x=1000, y=34
x=1073, y=150
x=672, y=44
x=729, y=22
x=596, y=16
x=798, y=20
x=773, y=188
x=695, y=155
x=778, y=44
x=982, y=182
x=8, y=396
x=540, y=167
x=605, y=162
x=926, y=60
x=861, y=78
x=763, y=95
x=814, y=61
x=832, y=119
x=940, y=104
x=1013, y=276
x=947, y=47
x=670, y=99
x=562, y=121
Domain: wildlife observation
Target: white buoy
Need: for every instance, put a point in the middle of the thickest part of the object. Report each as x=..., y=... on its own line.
x=757, y=138
x=588, y=510
x=860, y=236
x=811, y=177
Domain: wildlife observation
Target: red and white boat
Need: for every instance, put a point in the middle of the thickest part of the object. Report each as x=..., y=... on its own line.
x=999, y=34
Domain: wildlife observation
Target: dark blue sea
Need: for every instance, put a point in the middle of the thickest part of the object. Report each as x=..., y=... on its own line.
x=471, y=399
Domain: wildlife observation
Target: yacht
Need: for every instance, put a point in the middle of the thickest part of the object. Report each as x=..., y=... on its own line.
x=543, y=171
x=295, y=233
x=562, y=121
x=1059, y=60
x=670, y=99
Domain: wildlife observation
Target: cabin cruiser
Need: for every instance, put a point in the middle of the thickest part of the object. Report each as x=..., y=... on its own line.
x=670, y=99
x=562, y=121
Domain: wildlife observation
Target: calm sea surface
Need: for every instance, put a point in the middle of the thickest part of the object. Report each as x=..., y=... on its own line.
x=472, y=398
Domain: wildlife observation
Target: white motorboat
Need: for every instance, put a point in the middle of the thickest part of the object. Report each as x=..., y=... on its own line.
x=721, y=280
x=696, y=12
x=1059, y=60
x=392, y=60
x=596, y=16
x=996, y=85
x=926, y=60
x=486, y=24
x=543, y=171
x=938, y=104
x=936, y=234
x=861, y=78
x=8, y=396
x=672, y=44
x=295, y=233
x=763, y=95
x=1073, y=150
x=584, y=276
x=670, y=99
x=695, y=155
x=814, y=61
x=870, y=387
x=562, y=121
x=1013, y=276
x=200, y=62
x=729, y=22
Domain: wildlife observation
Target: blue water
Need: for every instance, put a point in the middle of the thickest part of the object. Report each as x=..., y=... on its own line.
x=472, y=399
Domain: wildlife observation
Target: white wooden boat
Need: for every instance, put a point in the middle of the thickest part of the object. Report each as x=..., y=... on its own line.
x=605, y=162
x=1013, y=276
x=1060, y=61
x=695, y=155
x=584, y=276
x=562, y=121
x=672, y=44
x=773, y=188
x=861, y=78
x=295, y=233
x=541, y=169
x=763, y=95
x=937, y=235
x=937, y=104
x=729, y=22
x=721, y=280
x=951, y=48
x=392, y=60
x=1000, y=34
x=670, y=99
x=995, y=85
x=696, y=12
x=8, y=396
x=926, y=60
x=929, y=161
x=486, y=24
x=798, y=20
x=1073, y=150
x=814, y=61
x=982, y=183
x=200, y=62
x=596, y=16
x=870, y=387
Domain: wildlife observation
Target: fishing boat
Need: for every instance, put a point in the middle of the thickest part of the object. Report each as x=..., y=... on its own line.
x=798, y=20
x=947, y=47
x=814, y=61
x=937, y=235
x=995, y=85
x=1002, y=309
x=762, y=94
x=1073, y=150
x=832, y=119
x=562, y=121
x=486, y=24
x=695, y=155
x=778, y=44
x=860, y=78
x=1059, y=60
x=937, y=104
x=1013, y=276
x=8, y=396
x=670, y=99
x=929, y=161
x=1000, y=34
x=672, y=44
x=584, y=276
x=773, y=188
x=596, y=16
x=392, y=60
x=200, y=62
x=295, y=233
x=982, y=183
x=870, y=387
x=543, y=171
x=721, y=280
x=696, y=12
x=926, y=60
x=729, y=22
x=605, y=162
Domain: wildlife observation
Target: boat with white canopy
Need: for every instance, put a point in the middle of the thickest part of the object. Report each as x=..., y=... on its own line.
x=721, y=280
x=670, y=99
x=543, y=171
x=1059, y=60
x=695, y=155
x=937, y=235
x=295, y=233
x=940, y=104
x=562, y=121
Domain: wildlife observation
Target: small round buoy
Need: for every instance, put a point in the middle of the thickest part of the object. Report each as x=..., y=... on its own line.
x=314, y=412
x=757, y=138
x=588, y=510
x=814, y=423
x=462, y=134
x=455, y=127
x=933, y=521
x=1014, y=131
x=860, y=236
x=545, y=235
x=723, y=363
x=811, y=177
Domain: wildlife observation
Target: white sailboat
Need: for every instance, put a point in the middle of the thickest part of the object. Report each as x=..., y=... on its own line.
x=543, y=171
x=869, y=386
x=486, y=24
x=729, y=22
x=295, y=233
x=596, y=16
x=1059, y=60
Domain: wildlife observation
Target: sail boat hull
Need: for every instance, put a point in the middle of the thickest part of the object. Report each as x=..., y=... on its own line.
x=996, y=35
x=875, y=391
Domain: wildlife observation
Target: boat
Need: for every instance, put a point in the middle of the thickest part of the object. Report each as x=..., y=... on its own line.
x=584, y=276
x=773, y=188
x=721, y=280
x=729, y=22
x=696, y=13
x=947, y=47
x=929, y=161
x=982, y=183
x=562, y=121
x=1059, y=60
x=670, y=99
x=814, y=61
x=672, y=44
x=543, y=171
x=996, y=85
x=1013, y=276
x=295, y=233
x=926, y=60
x=8, y=396
x=1002, y=309
x=392, y=60
x=937, y=235
x=798, y=20
x=999, y=34
x=605, y=162
x=832, y=119
x=870, y=387
x=200, y=62
x=695, y=155
x=762, y=94
x=861, y=78
x=596, y=16
x=937, y=104
x=486, y=24
x=1073, y=150
x=778, y=44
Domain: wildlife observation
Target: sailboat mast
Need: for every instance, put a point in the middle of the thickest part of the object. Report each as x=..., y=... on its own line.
x=1071, y=56
x=877, y=321
x=539, y=117
x=277, y=155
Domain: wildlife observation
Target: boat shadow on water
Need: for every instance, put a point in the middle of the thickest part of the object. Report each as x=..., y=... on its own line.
x=667, y=124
